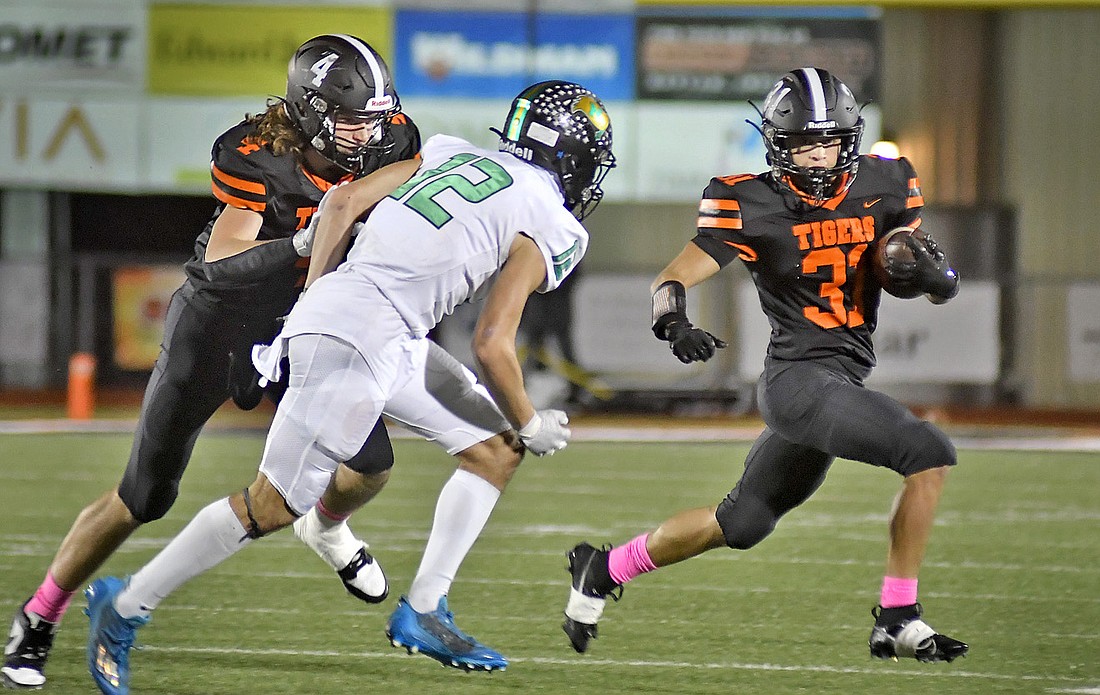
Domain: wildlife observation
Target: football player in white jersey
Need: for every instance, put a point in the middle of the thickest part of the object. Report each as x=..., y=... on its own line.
x=461, y=224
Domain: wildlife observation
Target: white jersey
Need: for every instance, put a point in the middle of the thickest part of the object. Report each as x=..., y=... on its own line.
x=440, y=240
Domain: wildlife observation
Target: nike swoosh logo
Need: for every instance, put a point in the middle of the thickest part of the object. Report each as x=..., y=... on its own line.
x=869, y=203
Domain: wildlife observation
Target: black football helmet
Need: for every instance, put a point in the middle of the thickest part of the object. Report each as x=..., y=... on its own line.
x=562, y=127
x=809, y=106
x=336, y=77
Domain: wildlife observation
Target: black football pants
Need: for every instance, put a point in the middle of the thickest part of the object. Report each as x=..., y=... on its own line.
x=816, y=411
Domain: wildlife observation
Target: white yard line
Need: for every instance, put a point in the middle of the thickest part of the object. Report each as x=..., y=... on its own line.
x=587, y=662
x=597, y=433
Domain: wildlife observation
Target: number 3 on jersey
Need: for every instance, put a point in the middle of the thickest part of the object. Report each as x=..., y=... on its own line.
x=491, y=178
x=835, y=258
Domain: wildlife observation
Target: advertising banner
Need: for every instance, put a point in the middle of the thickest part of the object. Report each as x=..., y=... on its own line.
x=56, y=45
x=181, y=163
x=915, y=342
x=496, y=54
x=70, y=143
x=739, y=53
x=1083, y=331
x=612, y=318
x=236, y=50
x=674, y=162
x=141, y=295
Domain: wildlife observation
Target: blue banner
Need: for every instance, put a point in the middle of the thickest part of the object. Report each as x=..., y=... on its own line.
x=497, y=54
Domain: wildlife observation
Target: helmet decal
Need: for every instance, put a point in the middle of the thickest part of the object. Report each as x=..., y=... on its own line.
x=563, y=128
x=539, y=132
x=383, y=100
x=517, y=118
x=596, y=113
x=816, y=93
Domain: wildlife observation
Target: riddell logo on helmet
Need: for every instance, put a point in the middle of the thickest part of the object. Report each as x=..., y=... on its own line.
x=514, y=148
x=376, y=104
x=821, y=124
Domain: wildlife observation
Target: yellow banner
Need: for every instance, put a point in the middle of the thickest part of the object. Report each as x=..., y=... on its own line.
x=238, y=50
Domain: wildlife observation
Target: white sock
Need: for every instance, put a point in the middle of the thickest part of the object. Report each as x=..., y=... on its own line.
x=212, y=536
x=462, y=510
x=331, y=539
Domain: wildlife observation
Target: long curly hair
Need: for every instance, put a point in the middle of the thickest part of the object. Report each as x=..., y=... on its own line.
x=274, y=128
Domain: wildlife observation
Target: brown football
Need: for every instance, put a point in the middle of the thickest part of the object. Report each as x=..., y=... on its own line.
x=892, y=245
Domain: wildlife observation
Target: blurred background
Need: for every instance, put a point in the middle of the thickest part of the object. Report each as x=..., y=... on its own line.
x=109, y=108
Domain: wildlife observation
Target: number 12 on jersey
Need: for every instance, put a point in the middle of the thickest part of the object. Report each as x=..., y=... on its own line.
x=477, y=180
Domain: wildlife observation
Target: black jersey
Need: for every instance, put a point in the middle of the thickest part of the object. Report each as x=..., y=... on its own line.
x=247, y=174
x=811, y=265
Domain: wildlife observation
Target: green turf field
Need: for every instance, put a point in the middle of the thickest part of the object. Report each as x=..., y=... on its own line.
x=1013, y=569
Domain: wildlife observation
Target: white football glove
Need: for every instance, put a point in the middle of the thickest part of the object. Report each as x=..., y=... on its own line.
x=546, y=433
x=303, y=238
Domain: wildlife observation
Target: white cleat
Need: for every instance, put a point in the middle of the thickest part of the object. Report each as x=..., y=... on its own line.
x=360, y=573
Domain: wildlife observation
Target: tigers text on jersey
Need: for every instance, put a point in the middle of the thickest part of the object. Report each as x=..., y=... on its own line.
x=811, y=266
x=249, y=175
x=441, y=238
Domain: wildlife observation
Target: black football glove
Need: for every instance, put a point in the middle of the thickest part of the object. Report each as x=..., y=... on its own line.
x=691, y=344
x=930, y=270
x=244, y=381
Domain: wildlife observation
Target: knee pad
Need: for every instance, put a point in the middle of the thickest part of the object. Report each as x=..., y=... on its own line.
x=922, y=446
x=148, y=499
x=745, y=521
x=376, y=454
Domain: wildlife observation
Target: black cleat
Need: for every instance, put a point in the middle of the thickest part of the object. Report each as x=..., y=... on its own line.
x=25, y=654
x=588, y=594
x=911, y=637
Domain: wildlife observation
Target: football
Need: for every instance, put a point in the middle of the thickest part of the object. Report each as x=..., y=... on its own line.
x=892, y=246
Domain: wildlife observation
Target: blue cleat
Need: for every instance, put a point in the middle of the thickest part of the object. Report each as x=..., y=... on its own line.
x=110, y=637
x=436, y=635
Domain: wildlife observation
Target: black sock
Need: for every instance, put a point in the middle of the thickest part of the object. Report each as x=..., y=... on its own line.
x=893, y=616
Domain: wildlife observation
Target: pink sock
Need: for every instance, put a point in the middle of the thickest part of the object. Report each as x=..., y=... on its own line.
x=628, y=561
x=324, y=511
x=50, y=601
x=898, y=592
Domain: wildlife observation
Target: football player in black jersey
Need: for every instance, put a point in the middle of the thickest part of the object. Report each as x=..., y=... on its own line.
x=806, y=230
x=340, y=120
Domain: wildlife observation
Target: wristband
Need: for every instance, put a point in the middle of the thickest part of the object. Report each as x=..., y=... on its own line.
x=669, y=306
x=531, y=428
